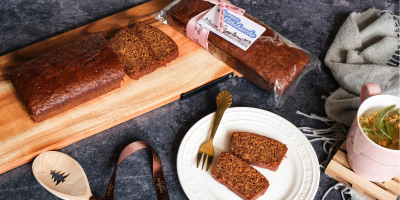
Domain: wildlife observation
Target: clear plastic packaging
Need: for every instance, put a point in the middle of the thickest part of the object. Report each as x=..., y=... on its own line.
x=272, y=62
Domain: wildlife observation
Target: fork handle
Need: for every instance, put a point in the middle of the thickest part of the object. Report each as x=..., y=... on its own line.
x=224, y=101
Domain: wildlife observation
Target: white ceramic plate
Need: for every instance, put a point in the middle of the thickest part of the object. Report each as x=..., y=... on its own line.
x=296, y=178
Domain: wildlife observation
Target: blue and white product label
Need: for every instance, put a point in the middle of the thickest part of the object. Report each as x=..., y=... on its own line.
x=238, y=30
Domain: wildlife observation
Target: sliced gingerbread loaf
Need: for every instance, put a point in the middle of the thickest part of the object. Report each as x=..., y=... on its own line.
x=239, y=177
x=258, y=150
x=164, y=48
x=135, y=54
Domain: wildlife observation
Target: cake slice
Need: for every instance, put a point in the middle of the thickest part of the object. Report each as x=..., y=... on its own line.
x=135, y=54
x=258, y=150
x=164, y=48
x=239, y=177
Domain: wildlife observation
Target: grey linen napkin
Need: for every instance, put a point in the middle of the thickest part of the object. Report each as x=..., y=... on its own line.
x=366, y=49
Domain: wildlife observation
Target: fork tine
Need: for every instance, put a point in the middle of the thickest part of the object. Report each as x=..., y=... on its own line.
x=199, y=155
x=209, y=161
x=204, y=160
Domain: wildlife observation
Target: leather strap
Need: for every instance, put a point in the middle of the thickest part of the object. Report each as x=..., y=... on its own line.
x=158, y=175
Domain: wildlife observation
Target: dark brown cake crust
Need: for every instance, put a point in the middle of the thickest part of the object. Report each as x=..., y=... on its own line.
x=270, y=63
x=67, y=77
x=239, y=177
x=258, y=150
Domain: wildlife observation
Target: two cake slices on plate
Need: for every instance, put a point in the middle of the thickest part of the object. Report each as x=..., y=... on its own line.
x=234, y=171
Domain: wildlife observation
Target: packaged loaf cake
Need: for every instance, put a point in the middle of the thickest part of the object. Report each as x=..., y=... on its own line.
x=67, y=77
x=272, y=62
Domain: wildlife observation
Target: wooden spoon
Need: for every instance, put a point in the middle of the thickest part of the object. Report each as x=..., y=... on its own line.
x=61, y=175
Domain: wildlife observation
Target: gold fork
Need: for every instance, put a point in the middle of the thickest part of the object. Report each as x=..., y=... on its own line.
x=224, y=100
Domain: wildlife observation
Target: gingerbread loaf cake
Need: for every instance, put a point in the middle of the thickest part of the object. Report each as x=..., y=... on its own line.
x=67, y=77
x=164, y=48
x=271, y=61
x=135, y=54
x=258, y=150
x=239, y=177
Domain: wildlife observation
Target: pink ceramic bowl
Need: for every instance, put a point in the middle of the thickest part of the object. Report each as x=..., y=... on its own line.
x=366, y=158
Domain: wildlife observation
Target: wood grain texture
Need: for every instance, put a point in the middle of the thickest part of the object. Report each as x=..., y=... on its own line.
x=340, y=170
x=21, y=139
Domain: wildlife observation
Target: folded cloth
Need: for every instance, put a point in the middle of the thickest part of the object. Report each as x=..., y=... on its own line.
x=366, y=49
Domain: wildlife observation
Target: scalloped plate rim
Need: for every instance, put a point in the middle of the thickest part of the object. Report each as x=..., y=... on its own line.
x=298, y=134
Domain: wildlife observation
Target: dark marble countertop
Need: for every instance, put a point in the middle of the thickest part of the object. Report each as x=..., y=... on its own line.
x=311, y=24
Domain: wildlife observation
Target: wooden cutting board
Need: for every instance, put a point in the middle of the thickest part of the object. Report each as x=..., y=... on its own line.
x=21, y=139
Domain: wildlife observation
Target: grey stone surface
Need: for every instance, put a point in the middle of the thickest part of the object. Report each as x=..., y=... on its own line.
x=311, y=24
